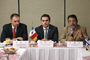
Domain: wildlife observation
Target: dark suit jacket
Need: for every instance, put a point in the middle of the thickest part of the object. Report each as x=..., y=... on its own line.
x=20, y=32
x=52, y=33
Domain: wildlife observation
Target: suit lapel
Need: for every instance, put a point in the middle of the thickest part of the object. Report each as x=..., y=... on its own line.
x=17, y=31
x=76, y=32
x=42, y=31
x=10, y=30
x=69, y=31
x=49, y=30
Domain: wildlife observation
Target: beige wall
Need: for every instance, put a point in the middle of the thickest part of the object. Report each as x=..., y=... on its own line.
x=31, y=10
x=82, y=9
x=7, y=7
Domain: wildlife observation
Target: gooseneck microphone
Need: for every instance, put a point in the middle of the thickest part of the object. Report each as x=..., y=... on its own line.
x=71, y=33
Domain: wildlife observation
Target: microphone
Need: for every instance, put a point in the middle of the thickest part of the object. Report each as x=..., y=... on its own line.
x=71, y=33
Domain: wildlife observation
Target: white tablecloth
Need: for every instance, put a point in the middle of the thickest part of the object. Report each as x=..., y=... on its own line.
x=23, y=54
x=52, y=53
x=85, y=55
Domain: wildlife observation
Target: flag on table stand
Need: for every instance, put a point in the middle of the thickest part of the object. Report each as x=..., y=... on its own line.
x=33, y=35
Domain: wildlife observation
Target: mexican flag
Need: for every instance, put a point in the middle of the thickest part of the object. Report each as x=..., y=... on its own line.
x=33, y=34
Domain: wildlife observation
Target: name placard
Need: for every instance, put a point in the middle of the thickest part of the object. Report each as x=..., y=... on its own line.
x=74, y=44
x=20, y=43
x=45, y=43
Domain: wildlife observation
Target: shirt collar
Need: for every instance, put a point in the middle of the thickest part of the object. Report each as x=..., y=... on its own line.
x=75, y=28
x=13, y=27
x=72, y=29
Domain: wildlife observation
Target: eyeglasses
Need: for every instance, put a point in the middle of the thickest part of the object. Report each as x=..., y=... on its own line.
x=71, y=21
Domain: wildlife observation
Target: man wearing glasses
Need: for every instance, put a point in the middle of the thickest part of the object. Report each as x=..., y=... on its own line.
x=73, y=32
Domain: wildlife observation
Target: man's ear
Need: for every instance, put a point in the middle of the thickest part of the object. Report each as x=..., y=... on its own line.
x=10, y=20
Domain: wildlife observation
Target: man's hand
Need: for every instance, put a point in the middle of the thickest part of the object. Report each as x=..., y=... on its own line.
x=20, y=38
x=11, y=41
x=44, y=40
x=80, y=33
x=70, y=39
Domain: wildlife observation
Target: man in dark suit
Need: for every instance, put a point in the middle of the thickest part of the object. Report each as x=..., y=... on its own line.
x=14, y=30
x=46, y=31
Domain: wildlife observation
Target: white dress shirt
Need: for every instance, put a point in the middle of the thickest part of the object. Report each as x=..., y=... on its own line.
x=13, y=28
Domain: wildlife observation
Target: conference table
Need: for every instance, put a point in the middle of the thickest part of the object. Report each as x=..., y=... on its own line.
x=48, y=53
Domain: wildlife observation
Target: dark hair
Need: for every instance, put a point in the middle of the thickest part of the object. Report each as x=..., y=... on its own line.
x=14, y=14
x=46, y=15
x=72, y=16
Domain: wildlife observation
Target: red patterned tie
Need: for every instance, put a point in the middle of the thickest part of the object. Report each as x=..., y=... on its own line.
x=14, y=33
x=73, y=33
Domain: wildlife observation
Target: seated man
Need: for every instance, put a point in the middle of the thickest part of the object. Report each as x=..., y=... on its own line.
x=46, y=31
x=14, y=30
x=73, y=32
